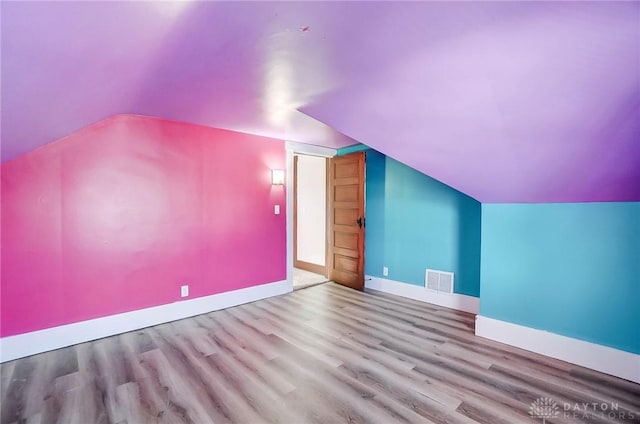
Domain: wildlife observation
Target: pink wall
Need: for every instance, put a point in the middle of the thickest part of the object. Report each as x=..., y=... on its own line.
x=118, y=215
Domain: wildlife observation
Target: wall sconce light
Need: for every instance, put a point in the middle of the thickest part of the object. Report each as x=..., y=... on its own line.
x=277, y=177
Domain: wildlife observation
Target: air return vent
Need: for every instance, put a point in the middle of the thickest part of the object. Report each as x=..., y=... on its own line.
x=441, y=281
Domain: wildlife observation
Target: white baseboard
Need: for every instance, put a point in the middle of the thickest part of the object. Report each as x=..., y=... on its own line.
x=19, y=346
x=457, y=301
x=590, y=355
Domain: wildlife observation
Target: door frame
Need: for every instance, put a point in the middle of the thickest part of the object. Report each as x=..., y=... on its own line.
x=297, y=263
x=293, y=148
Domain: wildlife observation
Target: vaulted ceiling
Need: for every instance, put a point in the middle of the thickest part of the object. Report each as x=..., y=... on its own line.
x=506, y=102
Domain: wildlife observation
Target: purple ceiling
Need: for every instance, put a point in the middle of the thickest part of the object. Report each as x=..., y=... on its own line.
x=507, y=102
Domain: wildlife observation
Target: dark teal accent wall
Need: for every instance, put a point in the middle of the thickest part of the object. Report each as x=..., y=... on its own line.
x=568, y=268
x=415, y=222
x=352, y=149
x=375, y=213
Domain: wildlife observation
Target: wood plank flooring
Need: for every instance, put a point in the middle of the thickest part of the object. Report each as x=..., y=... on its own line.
x=325, y=354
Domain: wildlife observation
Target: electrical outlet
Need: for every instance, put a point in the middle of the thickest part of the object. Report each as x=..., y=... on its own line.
x=184, y=291
x=385, y=271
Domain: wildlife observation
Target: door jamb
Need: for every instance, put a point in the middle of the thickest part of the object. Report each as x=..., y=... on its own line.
x=293, y=148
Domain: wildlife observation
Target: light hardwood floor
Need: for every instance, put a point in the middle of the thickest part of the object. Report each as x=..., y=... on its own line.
x=325, y=354
x=303, y=279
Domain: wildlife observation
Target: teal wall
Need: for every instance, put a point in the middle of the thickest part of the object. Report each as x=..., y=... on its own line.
x=352, y=149
x=415, y=222
x=568, y=268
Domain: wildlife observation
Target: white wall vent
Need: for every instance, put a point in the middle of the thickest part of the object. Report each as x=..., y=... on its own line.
x=441, y=281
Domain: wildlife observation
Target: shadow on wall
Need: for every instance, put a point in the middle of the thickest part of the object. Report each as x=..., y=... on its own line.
x=415, y=222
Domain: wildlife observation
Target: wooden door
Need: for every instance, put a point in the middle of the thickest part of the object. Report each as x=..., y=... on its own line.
x=346, y=220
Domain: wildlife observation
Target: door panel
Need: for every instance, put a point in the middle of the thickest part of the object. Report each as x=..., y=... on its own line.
x=346, y=226
x=345, y=216
x=347, y=241
x=347, y=170
x=346, y=193
x=346, y=264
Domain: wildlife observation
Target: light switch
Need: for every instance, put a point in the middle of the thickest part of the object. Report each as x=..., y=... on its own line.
x=276, y=209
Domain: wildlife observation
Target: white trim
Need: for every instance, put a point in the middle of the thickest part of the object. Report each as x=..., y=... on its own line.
x=590, y=355
x=310, y=149
x=289, y=207
x=457, y=301
x=19, y=346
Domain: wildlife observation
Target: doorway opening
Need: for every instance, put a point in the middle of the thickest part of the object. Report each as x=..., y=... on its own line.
x=341, y=233
x=309, y=220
